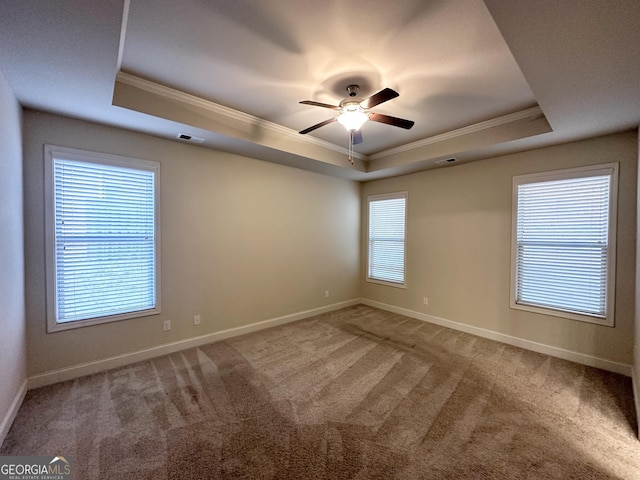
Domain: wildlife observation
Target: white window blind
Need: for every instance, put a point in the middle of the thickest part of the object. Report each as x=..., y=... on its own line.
x=104, y=238
x=387, y=238
x=563, y=242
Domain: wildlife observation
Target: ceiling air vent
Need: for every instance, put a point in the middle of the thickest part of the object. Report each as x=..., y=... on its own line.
x=447, y=161
x=189, y=138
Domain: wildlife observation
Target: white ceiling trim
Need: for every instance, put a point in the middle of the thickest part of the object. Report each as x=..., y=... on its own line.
x=248, y=120
x=123, y=31
x=529, y=113
x=226, y=112
x=146, y=96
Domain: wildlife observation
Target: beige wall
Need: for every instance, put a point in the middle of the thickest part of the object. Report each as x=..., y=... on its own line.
x=242, y=241
x=13, y=371
x=459, y=246
x=245, y=240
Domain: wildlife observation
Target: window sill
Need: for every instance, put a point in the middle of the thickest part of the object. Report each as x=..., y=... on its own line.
x=55, y=326
x=388, y=284
x=605, y=322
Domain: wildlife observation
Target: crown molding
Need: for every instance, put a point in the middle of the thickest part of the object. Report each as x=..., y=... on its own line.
x=146, y=96
x=225, y=112
x=529, y=113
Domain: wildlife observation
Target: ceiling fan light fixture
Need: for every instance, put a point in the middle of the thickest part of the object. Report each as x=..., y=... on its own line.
x=352, y=116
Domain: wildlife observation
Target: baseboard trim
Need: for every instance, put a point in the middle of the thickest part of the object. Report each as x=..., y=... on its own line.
x=636, y=394
x=10, y=416
x=577, y=357
x=88, y=368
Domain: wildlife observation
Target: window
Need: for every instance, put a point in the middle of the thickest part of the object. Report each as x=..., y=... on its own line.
x=387, y=227
x=564, y=226
x=102, y=238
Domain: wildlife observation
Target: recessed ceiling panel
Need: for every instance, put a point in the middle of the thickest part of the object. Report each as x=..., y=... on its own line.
x=447, y=60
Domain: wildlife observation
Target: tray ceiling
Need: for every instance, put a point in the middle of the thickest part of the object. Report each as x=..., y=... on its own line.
x=233, y=71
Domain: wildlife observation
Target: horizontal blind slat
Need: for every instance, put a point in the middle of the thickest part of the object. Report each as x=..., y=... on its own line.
x=386, y=239
x=562, y=244
x=105, y=239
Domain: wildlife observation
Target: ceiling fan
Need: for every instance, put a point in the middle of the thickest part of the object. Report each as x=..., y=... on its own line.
x=354, y=113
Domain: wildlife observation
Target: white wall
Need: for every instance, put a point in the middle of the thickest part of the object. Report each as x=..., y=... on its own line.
x=243, y=241
x=459, y=247
x=13, y=371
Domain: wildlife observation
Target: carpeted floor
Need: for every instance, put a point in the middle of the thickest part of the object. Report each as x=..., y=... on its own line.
x=354, y=394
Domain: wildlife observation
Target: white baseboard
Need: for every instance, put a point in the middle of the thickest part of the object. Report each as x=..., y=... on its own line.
x=10, y=416
x=75, y=371
x=68, y=373
x=636, y=394
x=577, y=357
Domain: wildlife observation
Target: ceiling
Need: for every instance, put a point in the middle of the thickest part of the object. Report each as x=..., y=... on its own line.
x=478, y=78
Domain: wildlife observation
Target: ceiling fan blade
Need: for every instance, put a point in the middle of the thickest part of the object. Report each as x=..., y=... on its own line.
x=318, y=104
x=396, y=122
x=318, y=125
x=378, y=98
x=357, y=137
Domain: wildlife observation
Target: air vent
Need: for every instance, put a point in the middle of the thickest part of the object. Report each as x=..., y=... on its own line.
x=189, y=138
x=447, y=161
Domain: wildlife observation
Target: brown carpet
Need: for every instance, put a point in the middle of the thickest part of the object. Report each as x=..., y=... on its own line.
x=354, y=394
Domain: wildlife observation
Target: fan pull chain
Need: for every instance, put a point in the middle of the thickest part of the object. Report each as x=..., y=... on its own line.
x=351, y=146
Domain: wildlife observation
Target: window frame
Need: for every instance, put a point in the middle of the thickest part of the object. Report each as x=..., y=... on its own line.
x=610, y=169
x=51, y=153
x=387, y=196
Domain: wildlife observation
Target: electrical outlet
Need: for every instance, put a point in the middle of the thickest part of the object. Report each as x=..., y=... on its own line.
x=166, y=326
x=196, y=319
x=326, y=294
x=425, y=300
